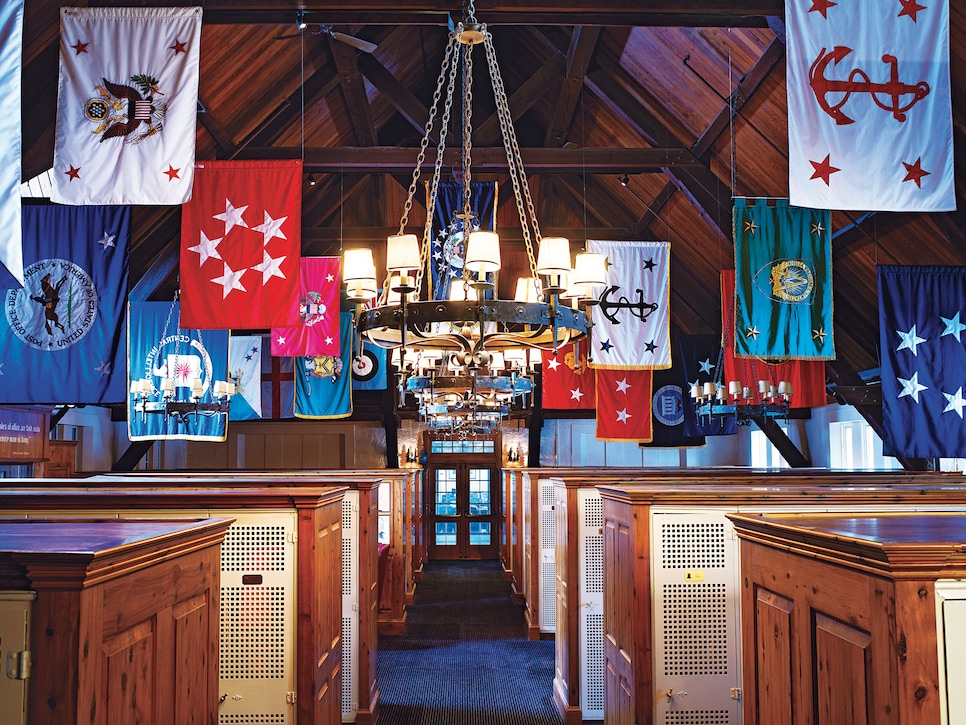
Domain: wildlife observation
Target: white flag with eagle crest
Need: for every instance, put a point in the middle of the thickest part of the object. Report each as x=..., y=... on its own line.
x=127, y=102
x=869, y=109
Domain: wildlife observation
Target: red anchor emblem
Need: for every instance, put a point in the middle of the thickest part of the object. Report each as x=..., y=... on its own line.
x=858, y=82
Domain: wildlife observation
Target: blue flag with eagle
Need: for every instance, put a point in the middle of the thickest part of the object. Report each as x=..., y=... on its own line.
x=62, y=333
x=783, y=289
x=323, y=386
x=449, y=235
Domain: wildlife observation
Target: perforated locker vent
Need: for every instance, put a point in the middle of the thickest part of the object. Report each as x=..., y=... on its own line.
x=346, y=567
x=693, y=546
x=695, y=629
x=594, y=564
x=346, y=514
x=594, y=693
x=548, y=597
x=252, y=633
x=698, y=717
x=251, y=719
x=593, y=511
x=348, y=669
x=253, y=549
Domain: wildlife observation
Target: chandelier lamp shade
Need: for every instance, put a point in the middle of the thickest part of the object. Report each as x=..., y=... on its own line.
x=463, y=354
x=711, y=400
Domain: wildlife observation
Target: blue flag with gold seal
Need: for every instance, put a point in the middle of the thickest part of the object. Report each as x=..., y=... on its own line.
x=449, y=233
x=62, y=333
x=323, y=388
x=783, y=289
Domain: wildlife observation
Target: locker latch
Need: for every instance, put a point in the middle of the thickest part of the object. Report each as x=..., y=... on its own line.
x=18, y=665
x=735, y=693
x=291, y=698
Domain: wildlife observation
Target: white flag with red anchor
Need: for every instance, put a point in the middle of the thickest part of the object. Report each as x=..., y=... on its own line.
x=127, y=103
x=869, y=109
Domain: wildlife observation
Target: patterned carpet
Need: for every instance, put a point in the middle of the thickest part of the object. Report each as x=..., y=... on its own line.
x=464, y=658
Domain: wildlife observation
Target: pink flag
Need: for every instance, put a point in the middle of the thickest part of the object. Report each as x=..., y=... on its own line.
x=318, y=330
x=869, y=109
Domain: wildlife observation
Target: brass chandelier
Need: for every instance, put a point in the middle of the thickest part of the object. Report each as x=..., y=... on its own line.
x=469, y=359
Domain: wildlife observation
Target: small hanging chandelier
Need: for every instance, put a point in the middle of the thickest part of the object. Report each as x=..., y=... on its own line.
x=464, y=358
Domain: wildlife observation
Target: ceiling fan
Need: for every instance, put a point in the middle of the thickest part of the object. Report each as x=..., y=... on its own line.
x=321, y=29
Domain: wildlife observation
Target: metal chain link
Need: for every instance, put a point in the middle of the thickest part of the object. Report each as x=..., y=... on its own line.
x=467, y=133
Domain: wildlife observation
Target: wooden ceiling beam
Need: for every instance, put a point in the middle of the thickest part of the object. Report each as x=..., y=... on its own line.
x=391, y=159
x=354, y=92
x=521, y=100
x=408, y=106
x=583, y=42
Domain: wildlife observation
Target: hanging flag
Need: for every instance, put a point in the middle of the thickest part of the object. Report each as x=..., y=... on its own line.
x=923, y=352
x=318, y=330
x=669, y=401
x=449, y=235
x=632, y=321
x=11, y=51
x=806, y=376
x=624, y=405
x=369, y=368
x=241, y=236
x=869, y=110
x=278, y=384
x=783, y=300
x=245, y=364
x=159, y=349
x=322, y=387
x=62, y=333
x=568, y=381
x=126, y=105
x=701, y=355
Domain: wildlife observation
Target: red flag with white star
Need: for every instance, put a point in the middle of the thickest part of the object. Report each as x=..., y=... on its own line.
x=241, y=237
x=318, y=330
x=869, y=105
x=624, y=405
x=127, y=105
x=568, y=382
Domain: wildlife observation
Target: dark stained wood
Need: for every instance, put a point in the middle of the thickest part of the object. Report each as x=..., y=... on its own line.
x=583, y=41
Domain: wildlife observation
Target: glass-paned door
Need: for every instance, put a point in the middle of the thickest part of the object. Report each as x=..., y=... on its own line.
x=464, y=511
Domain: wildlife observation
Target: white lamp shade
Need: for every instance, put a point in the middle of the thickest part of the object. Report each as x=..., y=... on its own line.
x=402, y=252
x=393, y=297
x=483, y=252
x=357, y=264
x=528, y=290
x=553, y=256
x=516, y=357
x=589, y=269
x=536, y=357
x=497, y=361
x=361, y=289
x=459, y=291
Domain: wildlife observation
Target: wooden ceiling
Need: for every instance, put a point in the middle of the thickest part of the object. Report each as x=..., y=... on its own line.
x=637, y=120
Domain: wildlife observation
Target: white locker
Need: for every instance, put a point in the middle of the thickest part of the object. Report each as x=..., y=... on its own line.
x=350, y=606
x=590, y=544
x=951, y=626
x=547, y=561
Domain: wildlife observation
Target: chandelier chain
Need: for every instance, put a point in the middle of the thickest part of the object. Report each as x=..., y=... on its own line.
x=467, y=133
x=518, y=177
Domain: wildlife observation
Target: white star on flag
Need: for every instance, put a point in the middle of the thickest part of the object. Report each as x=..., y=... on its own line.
x=271, y=228
x=576, y=394
x=230, y=280
x=706, y=366
x=269, y=267
x=623, y=415
x=955, y=402
x=553, y=363
x=911, y=387
x=280, y=340
x=622, y=386
x=107, y=240
x=329, y=278
x=953, y=326
x=232, y=216
x=328, y=340
x=104, y=368
x=206, y=248
x=909, y=340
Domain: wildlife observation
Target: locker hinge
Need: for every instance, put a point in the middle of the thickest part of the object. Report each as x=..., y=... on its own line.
x=291, y=698
x=18, y=665
x=735, y=693
x=293, y=537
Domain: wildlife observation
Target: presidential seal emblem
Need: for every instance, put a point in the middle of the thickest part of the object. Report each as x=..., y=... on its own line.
x=667, y=404
x=123, y=111
x=56, y=306
x=311, y=308
x=786, y=280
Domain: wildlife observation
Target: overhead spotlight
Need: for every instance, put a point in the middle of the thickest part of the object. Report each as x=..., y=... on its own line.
x=300, y=20
x=623, y=179
x=311, y=179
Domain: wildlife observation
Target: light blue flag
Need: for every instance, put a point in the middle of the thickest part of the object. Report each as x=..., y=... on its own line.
x=369, y=368
x=245, y=363
x=62, y=333
x=322, y=387
x=783, y=288
x=11, y=58
x=159, y=349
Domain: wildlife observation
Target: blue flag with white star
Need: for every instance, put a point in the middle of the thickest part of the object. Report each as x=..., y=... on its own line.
x=62, y=333
x=449, y=235
x=700, y=357
x=922, y=339
x=783, y=288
